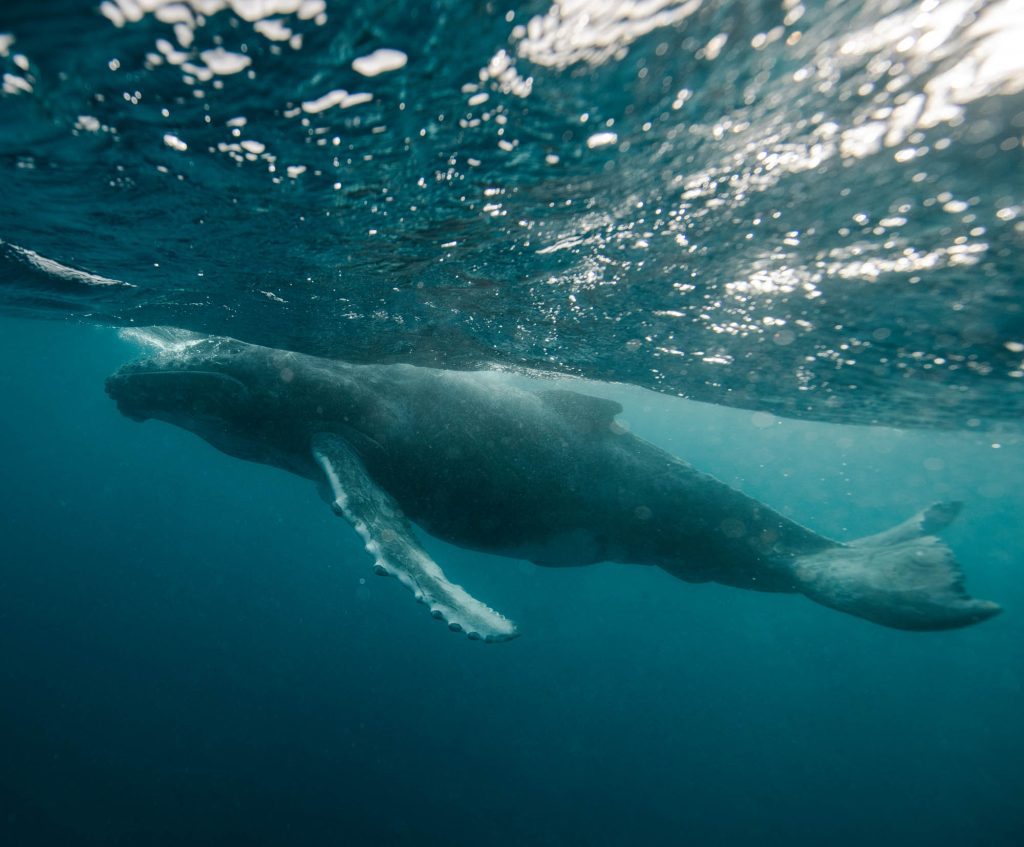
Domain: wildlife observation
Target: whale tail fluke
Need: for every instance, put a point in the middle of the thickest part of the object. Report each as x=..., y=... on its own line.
x=905, y=577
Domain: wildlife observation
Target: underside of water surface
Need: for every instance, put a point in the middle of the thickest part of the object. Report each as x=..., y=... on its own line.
x=807, y=208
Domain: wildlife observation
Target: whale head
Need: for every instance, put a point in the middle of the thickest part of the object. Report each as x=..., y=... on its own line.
x=240, y=397
x=201, y=383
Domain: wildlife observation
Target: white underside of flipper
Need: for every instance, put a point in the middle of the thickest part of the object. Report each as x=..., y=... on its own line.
x=388, y=537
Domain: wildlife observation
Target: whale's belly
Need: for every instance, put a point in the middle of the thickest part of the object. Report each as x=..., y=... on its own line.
x=547, y=502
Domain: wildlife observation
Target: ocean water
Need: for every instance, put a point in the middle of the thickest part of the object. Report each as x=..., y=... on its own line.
x=810, y=208
x=194, y=650
x=803, y=218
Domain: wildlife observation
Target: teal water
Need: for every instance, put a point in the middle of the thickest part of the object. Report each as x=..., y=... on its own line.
x=805, y=215
x=194, y=650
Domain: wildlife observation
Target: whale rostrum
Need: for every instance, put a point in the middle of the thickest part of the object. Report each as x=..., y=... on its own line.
x=545, y=475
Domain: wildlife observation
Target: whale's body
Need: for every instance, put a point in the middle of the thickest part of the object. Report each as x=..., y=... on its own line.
x=548, y=476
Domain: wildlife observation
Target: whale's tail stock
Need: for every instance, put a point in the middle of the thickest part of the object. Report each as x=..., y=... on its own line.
x=905, y=577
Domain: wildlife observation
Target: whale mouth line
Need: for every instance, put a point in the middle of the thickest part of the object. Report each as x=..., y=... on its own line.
x=141, y=393
x=128, y=375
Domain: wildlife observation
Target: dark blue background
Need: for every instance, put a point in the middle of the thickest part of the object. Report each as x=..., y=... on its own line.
x=188, y=654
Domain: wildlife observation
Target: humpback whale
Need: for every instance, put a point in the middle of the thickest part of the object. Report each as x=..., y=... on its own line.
x=545, y=475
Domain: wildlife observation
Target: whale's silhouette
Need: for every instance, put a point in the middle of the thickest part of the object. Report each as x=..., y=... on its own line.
x=544, y=475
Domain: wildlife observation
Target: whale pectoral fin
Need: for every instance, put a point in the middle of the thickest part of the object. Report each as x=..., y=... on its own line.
x=396, y=552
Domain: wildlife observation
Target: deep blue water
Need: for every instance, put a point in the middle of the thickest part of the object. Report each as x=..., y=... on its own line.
x=190, y=654
x=809, y=215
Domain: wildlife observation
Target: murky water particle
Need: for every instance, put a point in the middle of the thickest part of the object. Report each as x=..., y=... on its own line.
x=310, y=9
x=112, y=13
x=224, y=62
x=713, y=48
x=379, y=62
x=273, y=29
x=339, y=97
x=602, y=139
x=175, y=143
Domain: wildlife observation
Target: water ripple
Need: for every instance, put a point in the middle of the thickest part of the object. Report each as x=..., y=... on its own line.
x=811, y=209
